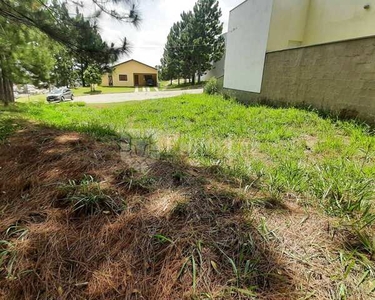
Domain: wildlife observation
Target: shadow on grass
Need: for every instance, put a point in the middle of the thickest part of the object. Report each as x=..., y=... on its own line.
x=7, y=127
x=186, y=86
x=93, y=93
x=182, y=234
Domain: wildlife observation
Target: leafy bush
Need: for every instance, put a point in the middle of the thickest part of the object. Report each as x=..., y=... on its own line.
x=211, y=87
x=93, y=76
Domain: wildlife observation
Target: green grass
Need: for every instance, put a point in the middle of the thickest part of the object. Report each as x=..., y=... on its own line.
x=322, y=161
x=7, y=127
x=166, y=85
x=32, y=98
x=81, y=91
x=287, y=153
x=86, y=196
x=84, y=91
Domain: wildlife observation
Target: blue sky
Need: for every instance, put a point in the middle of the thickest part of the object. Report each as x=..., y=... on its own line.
x=158, y=16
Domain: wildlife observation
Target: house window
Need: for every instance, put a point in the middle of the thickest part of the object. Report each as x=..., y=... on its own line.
x=123, y=77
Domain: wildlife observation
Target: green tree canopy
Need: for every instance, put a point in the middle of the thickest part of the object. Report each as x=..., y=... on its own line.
x=207, y=39
x=33, y=31
x=93, y=76
x=54, y=19
x=64, y=72
x=195, y=42
x=25, y=56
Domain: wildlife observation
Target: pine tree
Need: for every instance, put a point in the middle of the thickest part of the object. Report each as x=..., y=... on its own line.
x=94, y=50
x=171, y=61
x=208, y=43
x=25, y=56
x=24, y=24
x=64, y=72
x=53, y=17
x=186, y=46
x=194, y=43
x=166, y=71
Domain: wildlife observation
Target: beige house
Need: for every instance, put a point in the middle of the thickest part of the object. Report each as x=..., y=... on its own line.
x=131, y=73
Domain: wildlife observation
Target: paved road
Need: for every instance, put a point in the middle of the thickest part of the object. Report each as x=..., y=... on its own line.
x=138, y=96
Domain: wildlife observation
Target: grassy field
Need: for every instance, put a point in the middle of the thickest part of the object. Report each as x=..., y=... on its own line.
x=81, y=91
x=292, y=150
x=32, y=98
x=166, y=85
x=84, y=91
x=286, y=154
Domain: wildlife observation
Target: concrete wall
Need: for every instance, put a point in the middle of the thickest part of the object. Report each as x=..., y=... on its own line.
x=128, y=68
x=339, y=77
x=246, y=45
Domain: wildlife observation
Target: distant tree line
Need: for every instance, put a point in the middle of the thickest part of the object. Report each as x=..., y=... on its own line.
x=44, y=41
x=194, y=43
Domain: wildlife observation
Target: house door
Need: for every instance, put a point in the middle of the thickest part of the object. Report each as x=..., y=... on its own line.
x=110, y=80
x=136, y=80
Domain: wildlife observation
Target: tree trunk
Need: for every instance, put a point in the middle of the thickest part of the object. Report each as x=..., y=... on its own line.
x=171, y=81
x=178, y=81
x=6, y=89
x=10, y=91
x=185, y=80
x=83, y=67
x=199, y=77
x=2, y=92
x=193, y=79
x=82, y=76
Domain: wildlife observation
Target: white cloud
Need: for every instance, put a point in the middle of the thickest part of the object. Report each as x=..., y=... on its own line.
x=158, y=16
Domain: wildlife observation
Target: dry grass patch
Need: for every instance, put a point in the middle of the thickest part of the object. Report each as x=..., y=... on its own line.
x=181, y=232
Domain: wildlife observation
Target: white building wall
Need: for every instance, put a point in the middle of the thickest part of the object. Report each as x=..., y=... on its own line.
x=247, y=38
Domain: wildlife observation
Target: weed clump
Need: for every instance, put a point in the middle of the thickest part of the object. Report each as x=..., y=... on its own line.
x=211, y=87
x=136, y=181
x=88, y=198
